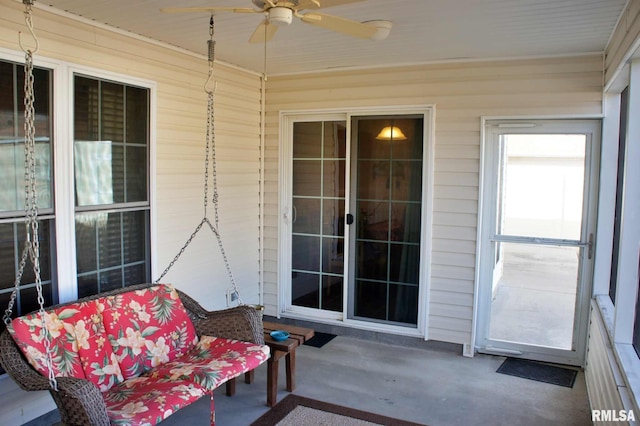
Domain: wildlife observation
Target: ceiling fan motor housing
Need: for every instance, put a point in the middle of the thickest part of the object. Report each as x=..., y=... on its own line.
x=280, y=16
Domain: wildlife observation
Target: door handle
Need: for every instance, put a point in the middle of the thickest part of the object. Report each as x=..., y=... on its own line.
x=349, y=218
x=590, y=247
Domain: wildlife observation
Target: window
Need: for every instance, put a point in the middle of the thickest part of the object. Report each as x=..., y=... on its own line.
x=111, y=157
x=12, y=216
x=617, y=221
x=109, y=154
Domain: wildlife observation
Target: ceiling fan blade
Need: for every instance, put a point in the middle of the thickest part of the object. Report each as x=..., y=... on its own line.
x=264, y=32
x=313, y=4
x=209, y=9
x=341, y=25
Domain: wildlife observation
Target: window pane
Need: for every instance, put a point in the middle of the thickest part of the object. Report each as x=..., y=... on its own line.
x=94, y=173
x=135, y=274
x=307, y=140
x=110, y=242
x=117, y=174
x=111, y=280
x=306, y=215
x=44, y=241
x=136, y=174
x=372, y=260
x=12, y=236
x=137, y=115
x=333, y=255
x=305, y=289
x=134, y=236
x=371, y=300
x=542, y=185
x=86, y=239
x=307, y=250
x=403, y=303
x=109, y=168
x=85, y=114
x=308, y=178
x=112, y=112
x=87, y=285
x=332, y=293
x=12, y=137
x=8, y=256
x=335, y=145
x=333, y=176
x=333, y=217
x=8, y=112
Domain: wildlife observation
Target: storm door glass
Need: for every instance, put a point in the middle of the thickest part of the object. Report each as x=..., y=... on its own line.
x=318, y=200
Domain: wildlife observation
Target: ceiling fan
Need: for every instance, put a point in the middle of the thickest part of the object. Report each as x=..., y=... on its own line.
x=280, y=13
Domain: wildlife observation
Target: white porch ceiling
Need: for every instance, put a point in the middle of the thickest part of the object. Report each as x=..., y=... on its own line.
x=423, y=31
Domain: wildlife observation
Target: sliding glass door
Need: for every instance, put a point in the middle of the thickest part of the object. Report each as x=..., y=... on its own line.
x=387, y=206
x=318, y=200
x=354, y=217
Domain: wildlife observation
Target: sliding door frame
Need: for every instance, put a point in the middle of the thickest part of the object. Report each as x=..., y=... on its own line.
x=285, y=216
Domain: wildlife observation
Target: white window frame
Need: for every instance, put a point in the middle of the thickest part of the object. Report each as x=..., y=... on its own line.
x=619, y=318
x=63, y=165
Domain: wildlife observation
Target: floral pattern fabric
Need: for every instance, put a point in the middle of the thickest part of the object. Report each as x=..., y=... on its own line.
x=147, y=328
x=144, y=401
x=213, y=361
x=78, y=343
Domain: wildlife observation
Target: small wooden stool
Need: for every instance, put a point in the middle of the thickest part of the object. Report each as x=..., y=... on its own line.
x=287, y=349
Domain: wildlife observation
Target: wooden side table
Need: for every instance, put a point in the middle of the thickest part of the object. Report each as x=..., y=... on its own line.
x=286, y=349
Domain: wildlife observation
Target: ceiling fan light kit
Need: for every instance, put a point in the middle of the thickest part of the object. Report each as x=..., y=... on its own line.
x=281, y=16
x=383, y=29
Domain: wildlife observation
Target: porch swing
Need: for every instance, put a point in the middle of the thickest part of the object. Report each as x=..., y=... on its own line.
x=133, y=355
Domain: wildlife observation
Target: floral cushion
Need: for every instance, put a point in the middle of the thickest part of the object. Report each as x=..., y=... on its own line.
x=78, y=342
x=99, y=362
x=147, y=328
x=213, y=361
x=147, y=401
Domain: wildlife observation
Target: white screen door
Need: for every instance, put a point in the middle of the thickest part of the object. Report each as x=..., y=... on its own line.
x=537, y=238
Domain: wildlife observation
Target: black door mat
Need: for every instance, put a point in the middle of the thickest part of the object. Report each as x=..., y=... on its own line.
x=320, y=339
x=538, y=371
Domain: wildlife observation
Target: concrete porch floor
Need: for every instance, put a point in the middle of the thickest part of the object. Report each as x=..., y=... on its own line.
x=434, y=387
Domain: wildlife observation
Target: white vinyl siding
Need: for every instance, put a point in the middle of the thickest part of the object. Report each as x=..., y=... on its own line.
x=623, y=42
x=462, y=93
x=604, y=382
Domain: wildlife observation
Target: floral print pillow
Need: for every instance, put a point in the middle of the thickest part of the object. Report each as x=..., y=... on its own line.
x=78, y=343
x=96, y=354
x=147, y=328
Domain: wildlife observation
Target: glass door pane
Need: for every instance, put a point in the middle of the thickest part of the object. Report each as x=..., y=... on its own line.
x=317, y=240
x=538, y=239
x=388, y=209
x=535, y=299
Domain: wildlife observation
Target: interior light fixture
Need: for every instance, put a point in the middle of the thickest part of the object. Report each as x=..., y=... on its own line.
x=391, y=133
x=383, y=29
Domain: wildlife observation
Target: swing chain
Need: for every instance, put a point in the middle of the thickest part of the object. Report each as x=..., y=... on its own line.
x=184, y=247
x=209, y=163
x=32, y=242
